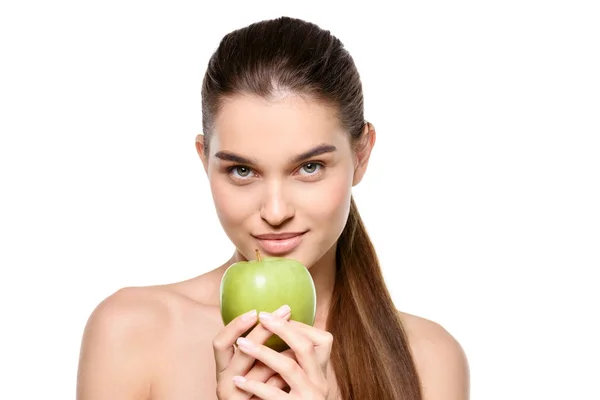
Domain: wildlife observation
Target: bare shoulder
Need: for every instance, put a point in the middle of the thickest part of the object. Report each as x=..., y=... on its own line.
x=439, y=358
x=114, y=361
x=124, y=337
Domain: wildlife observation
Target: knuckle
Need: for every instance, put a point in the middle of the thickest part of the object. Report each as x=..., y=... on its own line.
x=290, y=366
x=219, y=344
x=305, y=347
x=328, y=340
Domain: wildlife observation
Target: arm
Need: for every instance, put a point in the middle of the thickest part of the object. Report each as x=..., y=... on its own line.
x=115, y=358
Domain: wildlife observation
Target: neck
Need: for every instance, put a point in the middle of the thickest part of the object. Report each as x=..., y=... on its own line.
x=323, y=273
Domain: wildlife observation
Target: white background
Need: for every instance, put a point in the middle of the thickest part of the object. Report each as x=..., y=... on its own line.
x=482, y=195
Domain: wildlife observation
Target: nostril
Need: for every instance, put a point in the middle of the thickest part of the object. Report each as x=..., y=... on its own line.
x=277, y=214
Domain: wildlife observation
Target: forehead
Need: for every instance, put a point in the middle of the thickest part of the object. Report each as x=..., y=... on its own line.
x=286, y=125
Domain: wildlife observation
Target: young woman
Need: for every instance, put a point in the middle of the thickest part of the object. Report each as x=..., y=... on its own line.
x=284, y=130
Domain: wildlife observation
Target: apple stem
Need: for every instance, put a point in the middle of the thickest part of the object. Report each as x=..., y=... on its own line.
x=258, y=257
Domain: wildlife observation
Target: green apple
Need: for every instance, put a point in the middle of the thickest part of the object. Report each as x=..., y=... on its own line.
x=265, y=284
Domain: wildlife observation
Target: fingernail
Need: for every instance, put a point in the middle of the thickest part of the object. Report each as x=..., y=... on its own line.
x=282, y=311
x=265, y=316
x=249, y=316
x=244, y=343
x=238, y=380
x=270, y=319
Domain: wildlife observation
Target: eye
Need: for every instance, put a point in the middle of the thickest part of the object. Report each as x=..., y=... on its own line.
x=240, y=171
x=311, y=168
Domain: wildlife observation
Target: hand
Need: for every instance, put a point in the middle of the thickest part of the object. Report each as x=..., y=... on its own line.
x=263, y=373
x=230, y=362
x=306, y=377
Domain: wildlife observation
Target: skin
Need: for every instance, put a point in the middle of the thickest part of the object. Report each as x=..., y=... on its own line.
x=168, y=341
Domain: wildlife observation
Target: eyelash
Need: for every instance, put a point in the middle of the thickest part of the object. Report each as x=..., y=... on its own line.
x=231, y=169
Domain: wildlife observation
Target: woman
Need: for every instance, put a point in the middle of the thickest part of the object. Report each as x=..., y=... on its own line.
x=284, y=131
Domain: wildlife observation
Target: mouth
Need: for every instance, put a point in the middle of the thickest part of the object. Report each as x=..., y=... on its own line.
x=279, y=243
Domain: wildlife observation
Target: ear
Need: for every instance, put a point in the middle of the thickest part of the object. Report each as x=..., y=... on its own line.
x=363, y=152
x=200, y=149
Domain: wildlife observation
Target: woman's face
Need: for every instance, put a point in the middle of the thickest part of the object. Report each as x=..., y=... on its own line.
x=281, y=173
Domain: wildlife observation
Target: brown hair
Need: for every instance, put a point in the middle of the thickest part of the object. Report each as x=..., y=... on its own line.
x=371, y=357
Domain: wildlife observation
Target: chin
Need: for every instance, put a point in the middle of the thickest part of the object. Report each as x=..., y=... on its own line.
x=303, y=259
x=309, y=258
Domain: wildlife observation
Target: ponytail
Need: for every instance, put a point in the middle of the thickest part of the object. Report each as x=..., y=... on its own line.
x=370, y=355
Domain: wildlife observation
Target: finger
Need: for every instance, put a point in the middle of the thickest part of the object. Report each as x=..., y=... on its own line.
x=301, y=344
x=319, y=337
x=289, y=369
x=241, y=362
x=259, y=389
x=323, y=341
x=223, y=342
x=276, y=381
x=261, y=372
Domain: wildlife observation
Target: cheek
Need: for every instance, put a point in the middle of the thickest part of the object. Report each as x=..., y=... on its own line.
x=329, y=203
x=232, y=205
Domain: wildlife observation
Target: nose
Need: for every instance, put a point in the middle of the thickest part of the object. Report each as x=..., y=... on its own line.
x=276, y=209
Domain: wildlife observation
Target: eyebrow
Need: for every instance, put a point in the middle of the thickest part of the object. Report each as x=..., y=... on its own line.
x=315, y=151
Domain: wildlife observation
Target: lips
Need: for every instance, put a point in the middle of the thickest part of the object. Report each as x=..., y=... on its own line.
x=279, y=243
